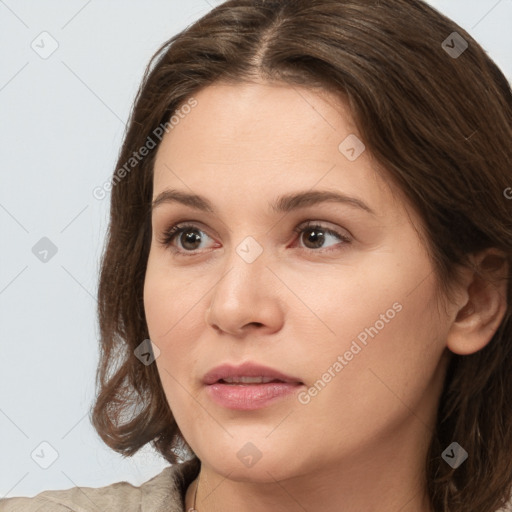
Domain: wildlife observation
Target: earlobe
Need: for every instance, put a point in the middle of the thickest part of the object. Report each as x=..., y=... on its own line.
x=481, y=313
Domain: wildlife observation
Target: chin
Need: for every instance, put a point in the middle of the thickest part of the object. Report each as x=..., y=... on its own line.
x=258, y=460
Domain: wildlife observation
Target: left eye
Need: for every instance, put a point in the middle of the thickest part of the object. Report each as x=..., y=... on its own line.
x=189, y=236
x=318, y=234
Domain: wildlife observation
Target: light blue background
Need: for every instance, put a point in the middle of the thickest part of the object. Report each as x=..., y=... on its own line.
x=62, y=121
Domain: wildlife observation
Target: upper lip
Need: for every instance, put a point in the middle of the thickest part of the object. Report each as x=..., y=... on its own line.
x=247, y=369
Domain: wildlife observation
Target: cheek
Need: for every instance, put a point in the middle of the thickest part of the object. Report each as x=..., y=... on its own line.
x=174, y=314
x=163, y=305
x=382, y=322
x=169, y=320
x=157, y=307
x=388, y=363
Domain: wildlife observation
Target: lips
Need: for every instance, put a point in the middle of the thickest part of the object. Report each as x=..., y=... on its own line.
x=249, y=386
x=231, y=374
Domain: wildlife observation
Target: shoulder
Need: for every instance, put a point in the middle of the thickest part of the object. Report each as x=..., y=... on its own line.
x=163, y=492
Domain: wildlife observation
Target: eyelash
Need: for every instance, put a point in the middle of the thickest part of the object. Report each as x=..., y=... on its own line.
x=174, y=231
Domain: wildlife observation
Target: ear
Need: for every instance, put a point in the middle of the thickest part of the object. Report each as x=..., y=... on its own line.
x=483, y=304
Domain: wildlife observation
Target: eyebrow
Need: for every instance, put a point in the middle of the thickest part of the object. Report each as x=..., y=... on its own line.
x=283, y=204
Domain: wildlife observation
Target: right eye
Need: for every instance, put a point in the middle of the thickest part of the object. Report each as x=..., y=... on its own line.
x=187, y=235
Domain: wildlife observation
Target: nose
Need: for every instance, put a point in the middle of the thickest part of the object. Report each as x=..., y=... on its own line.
x=247, y=296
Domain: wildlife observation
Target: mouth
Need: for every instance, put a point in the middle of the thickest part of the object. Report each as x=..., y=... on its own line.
x=245, y=381
x=247, y=373
x=248, y=386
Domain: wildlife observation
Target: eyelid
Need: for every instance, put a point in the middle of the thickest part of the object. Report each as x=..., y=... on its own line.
x=325, y=224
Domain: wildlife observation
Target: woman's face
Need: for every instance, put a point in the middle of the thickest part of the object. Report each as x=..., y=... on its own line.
x=346, y=305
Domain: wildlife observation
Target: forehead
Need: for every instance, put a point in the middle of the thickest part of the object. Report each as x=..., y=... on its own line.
x=266, y=139
x=280, y=118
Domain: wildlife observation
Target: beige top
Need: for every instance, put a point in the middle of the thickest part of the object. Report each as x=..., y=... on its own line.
x=164, y=492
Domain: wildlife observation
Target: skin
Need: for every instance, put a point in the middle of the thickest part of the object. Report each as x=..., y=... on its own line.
x=361, y=442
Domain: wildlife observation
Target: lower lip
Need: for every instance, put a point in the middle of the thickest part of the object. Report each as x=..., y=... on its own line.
x=248, y=397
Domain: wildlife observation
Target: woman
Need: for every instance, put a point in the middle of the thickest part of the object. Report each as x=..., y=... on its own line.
x=310, y=222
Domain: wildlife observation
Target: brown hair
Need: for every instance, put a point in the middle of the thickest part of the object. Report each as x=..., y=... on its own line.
x=441, y=126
